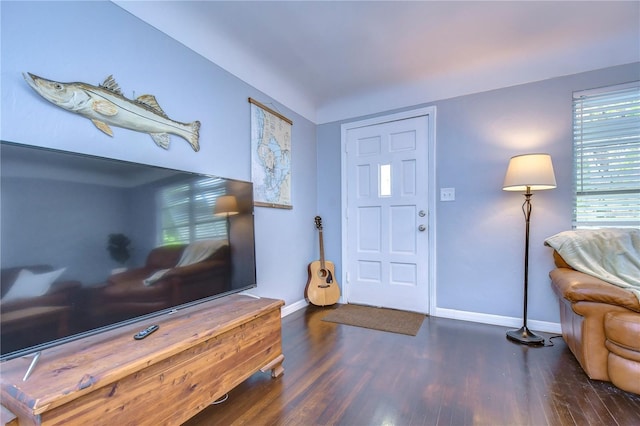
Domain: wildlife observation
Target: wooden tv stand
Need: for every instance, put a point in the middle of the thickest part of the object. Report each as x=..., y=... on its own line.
x=198, y=354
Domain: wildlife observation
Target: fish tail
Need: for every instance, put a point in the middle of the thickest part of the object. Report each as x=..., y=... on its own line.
x=195, y=136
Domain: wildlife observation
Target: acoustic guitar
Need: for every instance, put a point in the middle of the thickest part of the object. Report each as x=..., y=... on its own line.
x=322, y=288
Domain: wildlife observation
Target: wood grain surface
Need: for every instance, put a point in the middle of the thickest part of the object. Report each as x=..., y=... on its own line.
x=196, y=356
x=451, y=373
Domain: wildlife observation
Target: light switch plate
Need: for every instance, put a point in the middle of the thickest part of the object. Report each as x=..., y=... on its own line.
x=447, y=194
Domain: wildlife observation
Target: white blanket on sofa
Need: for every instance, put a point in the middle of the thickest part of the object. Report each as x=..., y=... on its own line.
x=611, y=254
x=193, y=253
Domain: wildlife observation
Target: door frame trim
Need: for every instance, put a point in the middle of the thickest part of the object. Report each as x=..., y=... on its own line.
x=430, y=112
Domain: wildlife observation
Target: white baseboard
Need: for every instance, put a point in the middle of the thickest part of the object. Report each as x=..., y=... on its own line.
x=287, y=309
x=543, y=326
x=296, y=306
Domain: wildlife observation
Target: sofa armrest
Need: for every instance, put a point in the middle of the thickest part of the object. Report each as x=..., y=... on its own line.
x=576, y=286
x=196, y=268
x=130, y=275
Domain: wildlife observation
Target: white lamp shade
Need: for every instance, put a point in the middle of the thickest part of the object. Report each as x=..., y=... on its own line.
x=529, y=171
x=226, y=205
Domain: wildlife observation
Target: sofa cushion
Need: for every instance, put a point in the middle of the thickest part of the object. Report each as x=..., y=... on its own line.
x=28, y=284
x=164, y=257
x=559, y=261
x=623, y=329
x=624, y=372
x=576, y=286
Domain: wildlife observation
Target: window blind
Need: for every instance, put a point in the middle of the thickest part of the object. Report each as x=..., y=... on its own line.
x=606, y=135
x=186, y=212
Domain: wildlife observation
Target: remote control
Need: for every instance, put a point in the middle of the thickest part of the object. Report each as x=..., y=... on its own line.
x=147, y=331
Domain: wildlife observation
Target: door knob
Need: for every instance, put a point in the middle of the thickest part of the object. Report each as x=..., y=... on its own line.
x=422, y=228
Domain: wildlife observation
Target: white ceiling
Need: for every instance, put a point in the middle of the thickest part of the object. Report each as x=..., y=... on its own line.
x=332, y=60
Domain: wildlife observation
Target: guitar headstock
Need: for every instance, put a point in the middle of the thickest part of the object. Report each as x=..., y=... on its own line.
x=318, y=220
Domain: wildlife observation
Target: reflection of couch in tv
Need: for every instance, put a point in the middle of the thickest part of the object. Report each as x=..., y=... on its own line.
x=172, y=275
x=36, y=305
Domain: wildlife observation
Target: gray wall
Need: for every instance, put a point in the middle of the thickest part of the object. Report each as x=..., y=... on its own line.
x=86, y=42
x=480, y=236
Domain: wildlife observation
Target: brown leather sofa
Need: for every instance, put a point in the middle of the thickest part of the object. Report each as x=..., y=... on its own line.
x=600, y=324
x=33, y=320
x=125, y=295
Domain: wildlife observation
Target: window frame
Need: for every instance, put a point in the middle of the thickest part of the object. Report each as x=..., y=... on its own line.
x=606, y=165
x=194, y=200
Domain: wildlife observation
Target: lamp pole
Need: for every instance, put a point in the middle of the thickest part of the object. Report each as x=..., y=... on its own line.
x=524, y=335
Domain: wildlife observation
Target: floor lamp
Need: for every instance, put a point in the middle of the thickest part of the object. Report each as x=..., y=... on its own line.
x=529, y=172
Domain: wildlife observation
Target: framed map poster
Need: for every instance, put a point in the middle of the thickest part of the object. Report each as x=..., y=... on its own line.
x=270, y=157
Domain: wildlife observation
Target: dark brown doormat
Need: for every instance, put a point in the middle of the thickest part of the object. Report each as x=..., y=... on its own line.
x=383, y=319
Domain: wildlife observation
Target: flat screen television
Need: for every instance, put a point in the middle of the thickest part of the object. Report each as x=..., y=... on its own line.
x=90, y=243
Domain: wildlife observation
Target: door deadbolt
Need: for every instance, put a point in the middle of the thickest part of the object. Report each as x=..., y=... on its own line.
x=421, y=213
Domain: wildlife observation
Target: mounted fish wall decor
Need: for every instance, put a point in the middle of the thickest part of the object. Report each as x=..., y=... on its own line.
x=105, y=105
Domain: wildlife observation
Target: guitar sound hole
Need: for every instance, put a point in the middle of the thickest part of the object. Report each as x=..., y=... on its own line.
x=322, y=273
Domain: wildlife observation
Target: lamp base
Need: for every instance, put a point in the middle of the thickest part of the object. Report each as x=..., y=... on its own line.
x=525, y=336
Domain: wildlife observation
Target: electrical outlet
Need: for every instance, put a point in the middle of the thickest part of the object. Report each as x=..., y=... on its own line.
x=447, y=194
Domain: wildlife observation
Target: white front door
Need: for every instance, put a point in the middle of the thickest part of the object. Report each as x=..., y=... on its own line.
x=386, y=259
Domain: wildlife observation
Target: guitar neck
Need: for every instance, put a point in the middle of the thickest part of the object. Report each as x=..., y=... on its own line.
x=321, y=250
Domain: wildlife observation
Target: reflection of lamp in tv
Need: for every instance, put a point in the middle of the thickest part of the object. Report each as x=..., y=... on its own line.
x=226, y=205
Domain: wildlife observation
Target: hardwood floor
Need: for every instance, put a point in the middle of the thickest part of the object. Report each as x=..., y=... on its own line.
x=451, y=373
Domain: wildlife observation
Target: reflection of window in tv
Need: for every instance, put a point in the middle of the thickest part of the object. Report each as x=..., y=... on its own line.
x=186, y=211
